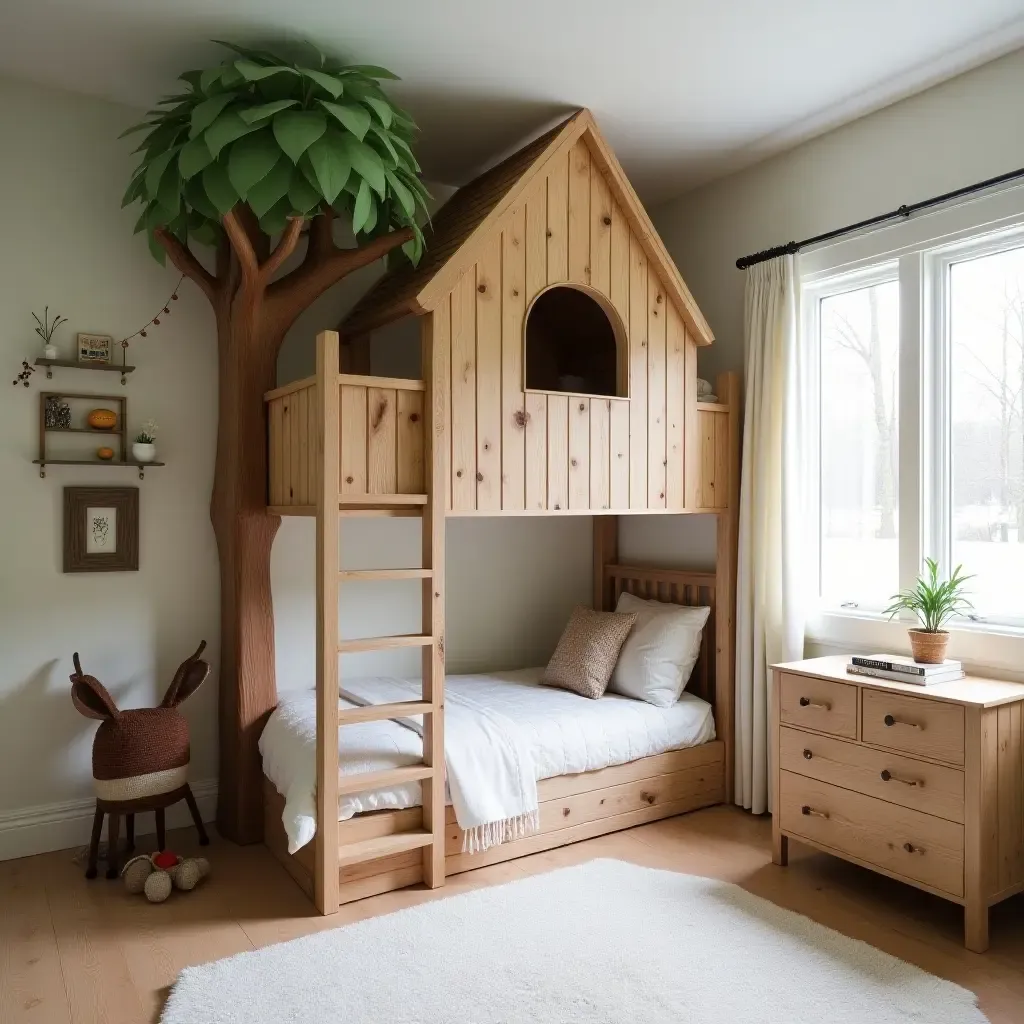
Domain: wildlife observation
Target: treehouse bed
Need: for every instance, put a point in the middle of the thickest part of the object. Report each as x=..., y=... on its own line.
x=558, y=378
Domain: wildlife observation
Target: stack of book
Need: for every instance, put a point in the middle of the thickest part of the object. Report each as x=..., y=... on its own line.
x=904, y=670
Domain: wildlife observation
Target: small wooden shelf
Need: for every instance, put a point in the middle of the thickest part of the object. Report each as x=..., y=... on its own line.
x=140, y=466
x=75, y=364
x=82, y=430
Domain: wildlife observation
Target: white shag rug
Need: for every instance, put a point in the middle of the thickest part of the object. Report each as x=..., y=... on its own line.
x=604, y=942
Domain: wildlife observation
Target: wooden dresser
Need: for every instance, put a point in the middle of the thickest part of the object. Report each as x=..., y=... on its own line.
x=921, y=783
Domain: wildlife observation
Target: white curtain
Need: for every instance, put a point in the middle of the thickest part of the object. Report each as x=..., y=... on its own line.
x=769, y=618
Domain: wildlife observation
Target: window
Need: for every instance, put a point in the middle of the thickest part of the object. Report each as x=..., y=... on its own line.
x=915, y=358
x=573, y=344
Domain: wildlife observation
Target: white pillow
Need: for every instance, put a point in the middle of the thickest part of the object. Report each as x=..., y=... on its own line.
x=659, y=654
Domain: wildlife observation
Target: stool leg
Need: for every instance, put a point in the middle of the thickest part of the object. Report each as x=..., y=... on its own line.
x=113, y=858
x=129, y=830
x=161, y=838
x=204, y=839
x=94, y=843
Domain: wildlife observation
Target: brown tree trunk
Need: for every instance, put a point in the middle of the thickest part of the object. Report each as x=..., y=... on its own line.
x=254, y=309
x=245, y=534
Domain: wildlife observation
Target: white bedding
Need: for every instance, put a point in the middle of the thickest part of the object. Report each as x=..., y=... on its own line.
x=567, y=734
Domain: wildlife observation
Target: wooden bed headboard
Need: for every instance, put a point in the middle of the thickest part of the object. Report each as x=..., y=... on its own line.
x=673, y=586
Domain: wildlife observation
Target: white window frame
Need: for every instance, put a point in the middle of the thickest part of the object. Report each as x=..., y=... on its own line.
x=920, y=252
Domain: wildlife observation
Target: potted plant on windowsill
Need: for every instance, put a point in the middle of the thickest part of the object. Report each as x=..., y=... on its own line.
x=934, y=602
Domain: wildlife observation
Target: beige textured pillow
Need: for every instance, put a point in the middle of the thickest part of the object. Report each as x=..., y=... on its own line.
x=587, y=651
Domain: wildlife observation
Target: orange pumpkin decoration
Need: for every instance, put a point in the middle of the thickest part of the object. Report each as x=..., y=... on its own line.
x=102, y=419
x=106, y=454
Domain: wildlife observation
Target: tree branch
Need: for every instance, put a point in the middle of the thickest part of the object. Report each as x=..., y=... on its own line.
x=293, y=293
x=182, y=257
x=285, y=247
x=243, y=247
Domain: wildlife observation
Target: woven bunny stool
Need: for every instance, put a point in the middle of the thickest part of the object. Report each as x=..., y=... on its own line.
x=139, y=758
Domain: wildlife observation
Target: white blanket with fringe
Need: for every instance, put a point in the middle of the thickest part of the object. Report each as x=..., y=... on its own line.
x=492, y=778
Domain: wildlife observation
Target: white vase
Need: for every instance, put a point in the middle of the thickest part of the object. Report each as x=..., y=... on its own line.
x=143, y=452
x=50, y=352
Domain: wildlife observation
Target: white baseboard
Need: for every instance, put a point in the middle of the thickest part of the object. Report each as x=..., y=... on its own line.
x=66, y=825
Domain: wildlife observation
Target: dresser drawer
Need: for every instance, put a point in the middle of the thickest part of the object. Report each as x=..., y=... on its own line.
x=906, y=842
x=915, y=725
x=820, y=704
x=931, y=788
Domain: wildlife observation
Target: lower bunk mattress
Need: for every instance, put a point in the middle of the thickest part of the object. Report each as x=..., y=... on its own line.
x=567, y=735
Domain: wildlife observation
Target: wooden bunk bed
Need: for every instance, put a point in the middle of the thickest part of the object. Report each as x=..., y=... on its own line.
x=471, y=438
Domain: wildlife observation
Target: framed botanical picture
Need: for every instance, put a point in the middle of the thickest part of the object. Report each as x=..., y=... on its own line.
x=94, y=348
x=101, y=529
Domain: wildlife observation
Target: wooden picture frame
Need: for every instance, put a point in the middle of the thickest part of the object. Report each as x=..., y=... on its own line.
x=101, y=529
x=95, y=348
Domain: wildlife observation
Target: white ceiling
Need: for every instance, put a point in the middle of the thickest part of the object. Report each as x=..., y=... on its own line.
x=686, y=90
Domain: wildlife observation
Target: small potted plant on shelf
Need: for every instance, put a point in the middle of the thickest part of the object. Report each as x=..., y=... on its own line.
x=46, y=329
x=144, y=445
x=934, y=602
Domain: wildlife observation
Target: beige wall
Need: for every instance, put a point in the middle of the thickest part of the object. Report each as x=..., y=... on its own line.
x=965, y=130
x=67, y=243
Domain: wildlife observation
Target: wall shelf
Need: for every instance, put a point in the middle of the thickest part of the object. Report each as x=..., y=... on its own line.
x=75, y=364
x=131, y=463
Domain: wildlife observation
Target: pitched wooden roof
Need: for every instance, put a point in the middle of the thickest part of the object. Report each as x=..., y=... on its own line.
x=469, y=216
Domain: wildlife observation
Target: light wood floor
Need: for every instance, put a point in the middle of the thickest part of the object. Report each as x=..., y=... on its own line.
x=72, y=951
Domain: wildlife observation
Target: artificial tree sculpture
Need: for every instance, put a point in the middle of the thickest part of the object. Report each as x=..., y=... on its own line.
x=254, y=154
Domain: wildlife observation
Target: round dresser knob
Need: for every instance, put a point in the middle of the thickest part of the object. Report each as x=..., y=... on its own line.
x=808, y=755
x=889, y=720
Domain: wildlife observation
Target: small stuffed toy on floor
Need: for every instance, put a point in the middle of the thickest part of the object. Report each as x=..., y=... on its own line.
x=158, y=874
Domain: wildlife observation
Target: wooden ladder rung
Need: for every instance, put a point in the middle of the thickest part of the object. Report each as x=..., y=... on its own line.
x=382, y=712
x=385, y=574
x=382, y=846
x=384, y=643
x=366, y=782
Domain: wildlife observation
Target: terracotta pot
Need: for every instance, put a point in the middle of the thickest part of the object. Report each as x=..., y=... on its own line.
x=928, y=648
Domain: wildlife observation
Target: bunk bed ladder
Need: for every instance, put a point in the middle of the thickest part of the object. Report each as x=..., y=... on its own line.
x=330, y=857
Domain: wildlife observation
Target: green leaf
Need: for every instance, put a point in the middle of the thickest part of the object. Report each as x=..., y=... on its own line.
x=303, y=196
x=134, y=189
x=205, y=233
x=361, y=209
x=371, y=218
x=156, y=250
x=275, y=219
x=381, y=108
x=209, y=77
x=228, y=127
x=162, y=137
x=405, y=149
x=269, y=189
x=143, y=222
x=353, y=117
x=207, y=112
x=195, y=196
x=192, y=78
x=219, y=189
x=169, y=194
x=330, y=164
x=256, y=56
x=297, y=130
x=373, y=71
x=253, y=72
x=367, y=164
x=265, y=110
x=142, y=125
x=155, y=172
x=328, y=83
x=194, y=156
x=378, y=138
x=251, y=160
x=405, y=198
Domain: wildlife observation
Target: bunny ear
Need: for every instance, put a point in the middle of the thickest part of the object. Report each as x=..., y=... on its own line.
x=91, y=698
x=190, y=676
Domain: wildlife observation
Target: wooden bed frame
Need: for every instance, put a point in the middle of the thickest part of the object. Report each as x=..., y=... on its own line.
x=471, y=438
x=572, y=807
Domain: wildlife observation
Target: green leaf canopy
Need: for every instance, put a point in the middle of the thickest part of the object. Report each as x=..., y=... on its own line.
x=285, y=139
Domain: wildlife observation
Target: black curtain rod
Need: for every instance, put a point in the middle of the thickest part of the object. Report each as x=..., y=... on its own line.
x=902, y=213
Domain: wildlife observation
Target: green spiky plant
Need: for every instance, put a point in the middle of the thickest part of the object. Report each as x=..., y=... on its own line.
x=932, y=600
x=251, y=156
